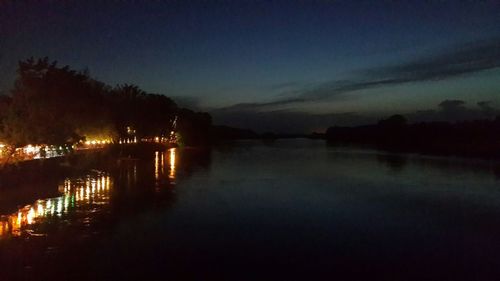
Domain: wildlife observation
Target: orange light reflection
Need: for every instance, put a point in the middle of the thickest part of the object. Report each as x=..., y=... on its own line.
x=93, y=189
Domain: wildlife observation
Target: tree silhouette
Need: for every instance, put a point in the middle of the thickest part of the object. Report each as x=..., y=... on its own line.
x=56, y=105
x=53, y=105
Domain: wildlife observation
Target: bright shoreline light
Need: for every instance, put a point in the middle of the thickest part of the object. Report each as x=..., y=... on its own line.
x=97, y=142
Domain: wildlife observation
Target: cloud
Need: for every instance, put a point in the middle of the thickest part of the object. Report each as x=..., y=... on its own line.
x=187, y=102
x=256, y=106
x=464, y=59
x=455, y=110
x=459, y=60
x=285, y=121
x=488, y=109
x=288, y=121
x=485, y=105
x=455, y=61
x=452, y=105
x=285, y=85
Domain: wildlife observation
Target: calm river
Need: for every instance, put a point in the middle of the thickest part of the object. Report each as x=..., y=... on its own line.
x=286, y=210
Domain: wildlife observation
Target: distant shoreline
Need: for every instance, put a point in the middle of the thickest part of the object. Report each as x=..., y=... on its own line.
x=478, y=138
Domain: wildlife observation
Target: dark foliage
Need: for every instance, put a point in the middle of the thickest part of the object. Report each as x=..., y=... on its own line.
x=194, y=127
x=230, y=133
x=465, y=138
x=148, y=114
x=50, y=104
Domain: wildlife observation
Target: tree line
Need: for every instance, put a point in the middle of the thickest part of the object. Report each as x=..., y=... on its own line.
x=56, y=105
x=464, y=138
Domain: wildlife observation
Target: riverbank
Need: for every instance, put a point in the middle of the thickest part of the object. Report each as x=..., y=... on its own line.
x=318, y=210
x=31, y=171
x=476, y=139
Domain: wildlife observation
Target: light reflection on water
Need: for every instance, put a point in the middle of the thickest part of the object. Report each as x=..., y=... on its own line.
x=93, y=189
x=160, y=166
x=292, y=209
x=172, y=163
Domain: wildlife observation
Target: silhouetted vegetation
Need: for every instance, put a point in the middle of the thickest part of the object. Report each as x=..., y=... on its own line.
x=56, y=105
x=220, y=133
x=464, y=138
x=230, y=133
x=194, y=127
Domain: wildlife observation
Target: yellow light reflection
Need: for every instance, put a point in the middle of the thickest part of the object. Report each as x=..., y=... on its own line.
x=157, y=165
x=4, y=228
x=40, y=211
x=30, y=216
x=163, y=163
x=75, y=193
x=49, y=206
x=59, y=206
x=172, y=151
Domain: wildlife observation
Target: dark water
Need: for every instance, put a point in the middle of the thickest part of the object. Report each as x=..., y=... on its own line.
x=287, y=210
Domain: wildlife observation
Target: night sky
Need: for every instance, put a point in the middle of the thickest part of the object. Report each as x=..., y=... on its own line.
x=271, y=65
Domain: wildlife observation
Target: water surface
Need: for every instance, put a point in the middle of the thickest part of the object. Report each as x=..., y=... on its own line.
x=285, y=210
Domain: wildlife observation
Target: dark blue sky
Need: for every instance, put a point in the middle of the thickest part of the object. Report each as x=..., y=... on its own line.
x=319, y=62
